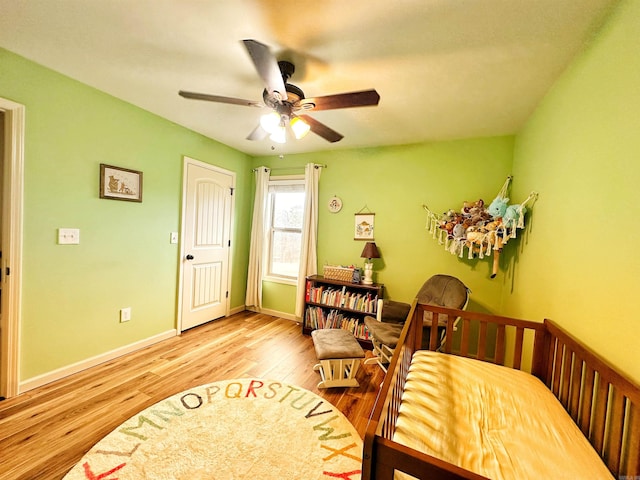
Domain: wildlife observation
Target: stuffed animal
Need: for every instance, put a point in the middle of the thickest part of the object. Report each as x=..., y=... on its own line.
x=448, y=216
x=459, y=231
x=448, y=226
x=498, y=207
x=512, y=214
x=475, y=234
x=493, y=225
x=468, y=206
x=446, y=220
x=480, y=217
x=495, y=239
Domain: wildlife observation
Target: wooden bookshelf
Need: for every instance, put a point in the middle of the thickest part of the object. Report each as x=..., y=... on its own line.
x=337, y=304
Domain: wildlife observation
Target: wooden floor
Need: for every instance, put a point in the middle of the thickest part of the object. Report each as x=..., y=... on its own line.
x=45, y=431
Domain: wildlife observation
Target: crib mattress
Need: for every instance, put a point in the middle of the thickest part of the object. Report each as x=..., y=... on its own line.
x=495, y=421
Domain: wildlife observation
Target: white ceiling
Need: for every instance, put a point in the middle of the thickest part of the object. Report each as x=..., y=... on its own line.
x=445, y=69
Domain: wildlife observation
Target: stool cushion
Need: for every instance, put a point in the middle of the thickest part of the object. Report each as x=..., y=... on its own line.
x=335, y=343
x=385, y=333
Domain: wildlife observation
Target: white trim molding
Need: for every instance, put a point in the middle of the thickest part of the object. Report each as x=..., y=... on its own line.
x=275, y=313
x=11, y=244
x=59, y=373
x=235, y=310
x=186, y=161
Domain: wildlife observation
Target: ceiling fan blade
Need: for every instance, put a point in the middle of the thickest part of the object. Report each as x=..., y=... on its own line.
x=267, y=67
x=365, y=98
x=321, y=129
x=219, y=99
x=258, y=133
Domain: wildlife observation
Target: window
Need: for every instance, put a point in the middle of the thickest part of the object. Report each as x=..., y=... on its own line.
x=285, y=208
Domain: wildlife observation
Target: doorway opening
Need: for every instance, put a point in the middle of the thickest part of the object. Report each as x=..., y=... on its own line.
x=11, y=205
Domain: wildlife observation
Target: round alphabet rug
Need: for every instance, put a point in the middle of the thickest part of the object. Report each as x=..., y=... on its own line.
x=230, y=430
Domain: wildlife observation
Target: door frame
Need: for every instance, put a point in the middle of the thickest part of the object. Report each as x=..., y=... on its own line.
x=186, y=162
x=12, y=210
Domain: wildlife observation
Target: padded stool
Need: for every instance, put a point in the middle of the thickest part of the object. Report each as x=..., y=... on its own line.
x=340, y=354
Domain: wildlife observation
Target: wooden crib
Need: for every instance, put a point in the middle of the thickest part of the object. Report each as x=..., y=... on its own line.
x=602, y=402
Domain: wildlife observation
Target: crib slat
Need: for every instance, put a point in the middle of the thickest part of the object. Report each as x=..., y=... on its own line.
x=482, y=341
x=558, y=368
x=550, y=362
x=500, y=345
x=433, y=332
x=448, y=339
x=584, y=421
x=576, y=383
x=517, y=353
x=631, y=464
x=541, y=348
x=616, y=427
x=466, y=331
x=600, y=415
x=565, y=380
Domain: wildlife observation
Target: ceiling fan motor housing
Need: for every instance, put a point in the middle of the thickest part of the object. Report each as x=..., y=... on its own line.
x=284, y=106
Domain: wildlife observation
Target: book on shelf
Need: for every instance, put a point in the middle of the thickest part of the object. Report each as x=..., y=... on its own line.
x=317, y=317
x=335, y=297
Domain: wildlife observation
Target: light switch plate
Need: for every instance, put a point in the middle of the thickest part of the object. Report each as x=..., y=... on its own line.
x=125, y=314
x=68, y=236
x=174, y=237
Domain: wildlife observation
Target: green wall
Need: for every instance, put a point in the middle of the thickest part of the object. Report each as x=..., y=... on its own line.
x=394, y=183
x=581, y=152
x=72, y=293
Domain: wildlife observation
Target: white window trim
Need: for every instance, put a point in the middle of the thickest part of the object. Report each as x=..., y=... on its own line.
x=287, y=179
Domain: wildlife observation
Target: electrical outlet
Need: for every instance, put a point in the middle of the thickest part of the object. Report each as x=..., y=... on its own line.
x=68, y=236
x=174, y=237
x=125, y=314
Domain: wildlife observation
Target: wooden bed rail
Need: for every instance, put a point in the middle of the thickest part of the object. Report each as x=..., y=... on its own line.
x=604, y=403
x=498, y=339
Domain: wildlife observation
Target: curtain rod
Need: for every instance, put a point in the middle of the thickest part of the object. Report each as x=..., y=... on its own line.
x=316, y=165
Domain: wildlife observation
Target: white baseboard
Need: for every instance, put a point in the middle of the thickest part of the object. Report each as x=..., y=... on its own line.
x=235, y=310
x=54, y=375
x=49, y=377
x=275, y=313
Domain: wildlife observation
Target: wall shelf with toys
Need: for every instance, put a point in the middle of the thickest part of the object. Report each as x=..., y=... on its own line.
x=479, y=228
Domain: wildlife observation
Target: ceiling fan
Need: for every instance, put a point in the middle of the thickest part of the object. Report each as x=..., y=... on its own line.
x=287, y=101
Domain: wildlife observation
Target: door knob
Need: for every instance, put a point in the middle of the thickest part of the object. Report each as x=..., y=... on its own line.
x=189, y=257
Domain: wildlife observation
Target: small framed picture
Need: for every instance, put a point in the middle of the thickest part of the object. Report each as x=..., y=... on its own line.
x=364, y=226
x=118, y=183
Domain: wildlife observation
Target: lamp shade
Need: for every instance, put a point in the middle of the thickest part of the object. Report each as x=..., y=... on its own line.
x=370, y=251
x=299, y=127
x=279, y=135
x=270, y=122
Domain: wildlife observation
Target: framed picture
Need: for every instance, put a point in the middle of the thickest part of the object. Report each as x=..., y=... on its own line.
x=364, y=226
x=118, y=183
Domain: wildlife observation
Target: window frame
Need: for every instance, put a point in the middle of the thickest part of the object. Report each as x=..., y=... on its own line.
x=269, y=231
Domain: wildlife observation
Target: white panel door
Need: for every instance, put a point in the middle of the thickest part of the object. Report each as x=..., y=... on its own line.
x=206, y=244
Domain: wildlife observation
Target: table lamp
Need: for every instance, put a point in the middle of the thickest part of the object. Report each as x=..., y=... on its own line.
x=370, y=251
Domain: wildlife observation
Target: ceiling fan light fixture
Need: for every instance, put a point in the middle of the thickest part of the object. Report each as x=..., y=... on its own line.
x=270, y=121
x=300, y=127
x=279, y=135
